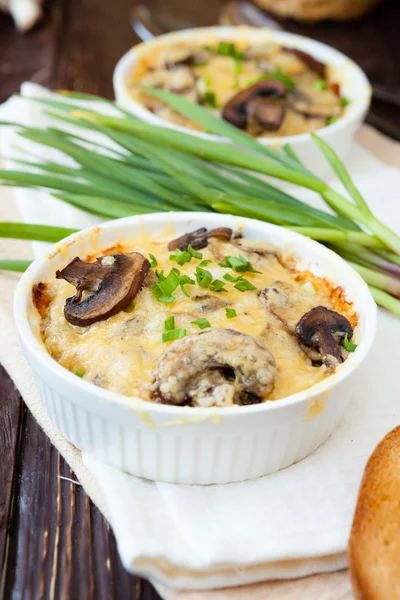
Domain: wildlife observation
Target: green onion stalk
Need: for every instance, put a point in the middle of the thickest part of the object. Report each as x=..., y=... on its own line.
x=134, y=167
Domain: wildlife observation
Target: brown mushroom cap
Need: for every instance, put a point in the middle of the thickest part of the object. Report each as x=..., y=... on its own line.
x=266, y=113
x=216, y=367
x=114, y=280
x=236, y=110
x=323, y=330
x=311, y=62
x=199, y=239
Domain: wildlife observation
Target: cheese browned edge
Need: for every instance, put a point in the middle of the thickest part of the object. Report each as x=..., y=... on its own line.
x=374, y=546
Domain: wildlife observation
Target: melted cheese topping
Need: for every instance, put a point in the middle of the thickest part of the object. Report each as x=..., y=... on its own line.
x=121, y=353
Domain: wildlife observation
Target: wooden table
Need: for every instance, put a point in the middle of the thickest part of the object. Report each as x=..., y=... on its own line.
x=53, y=542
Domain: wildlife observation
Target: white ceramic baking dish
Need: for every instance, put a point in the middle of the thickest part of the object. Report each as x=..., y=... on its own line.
x=354, y=85
x=184, y=444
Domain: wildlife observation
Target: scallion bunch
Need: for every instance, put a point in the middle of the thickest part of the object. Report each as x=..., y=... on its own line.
x=135, y=167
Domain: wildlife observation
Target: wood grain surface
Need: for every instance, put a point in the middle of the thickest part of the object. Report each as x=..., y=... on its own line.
x=53, y=542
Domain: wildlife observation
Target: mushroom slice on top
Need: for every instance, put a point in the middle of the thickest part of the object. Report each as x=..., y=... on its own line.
x=217, y=367
x=236, y=110
x=323, y=330
x=265, y=113
x=199, y=239
x=114, y=280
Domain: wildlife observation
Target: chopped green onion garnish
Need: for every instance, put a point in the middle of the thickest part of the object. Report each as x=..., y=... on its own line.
x=185, y=280
x=345, y=101
x=203, y=277
x=229, y=49
x=165, y=286
x=181, y=257
x=332, y=120
x=153, y=260
x=204, y=263
x=244, y=286
x=218, y=286
x=349, y=346
x=238, y=263
x=320, y=85
x=286, y=80
x=201, y=323
x=194, y=252
x=210, y=99
x=169, y=323
x=79, y=373
x=228, y=277
x=230, y=313
x=173, y=334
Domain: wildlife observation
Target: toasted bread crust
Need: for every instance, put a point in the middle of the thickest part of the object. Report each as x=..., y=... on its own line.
x=374, y=546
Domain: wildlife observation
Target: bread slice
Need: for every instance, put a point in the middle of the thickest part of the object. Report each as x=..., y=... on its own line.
x=374, y=546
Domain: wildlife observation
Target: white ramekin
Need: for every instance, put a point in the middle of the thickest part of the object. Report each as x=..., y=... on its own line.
x=184, y=444
x=354, y=85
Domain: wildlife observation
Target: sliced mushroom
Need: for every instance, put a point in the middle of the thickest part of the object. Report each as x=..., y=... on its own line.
x=311, y=62
x=258, y=247
x=265, y=113
x=313, y=110
x=208, y=303
x=323, y=330
x=199, y=239
x=236, y=110
x=287, y=303
x=217, y=367
x=114, y=281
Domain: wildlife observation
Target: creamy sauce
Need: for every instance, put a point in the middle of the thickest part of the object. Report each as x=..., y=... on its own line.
x=121, y=353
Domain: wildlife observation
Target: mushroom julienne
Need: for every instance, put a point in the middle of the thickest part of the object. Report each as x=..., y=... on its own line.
x=209, y=318
x=263, y=89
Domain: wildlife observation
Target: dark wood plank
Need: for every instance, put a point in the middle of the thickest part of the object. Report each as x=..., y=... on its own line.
x=10, y=419
x=59, y=544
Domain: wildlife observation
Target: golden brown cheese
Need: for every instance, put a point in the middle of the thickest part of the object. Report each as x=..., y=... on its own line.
x=121, y=353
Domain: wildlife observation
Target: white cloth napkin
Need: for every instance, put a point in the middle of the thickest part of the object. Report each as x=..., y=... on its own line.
x=288, y=524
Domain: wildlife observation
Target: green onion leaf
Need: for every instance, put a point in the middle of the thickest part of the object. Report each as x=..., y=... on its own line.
x=238, y=263
x=210, y=99
x=201, y=323
x=14, y=265
x=153, y=260
x=185, y=280
x=230, y=313
x=79, y=373
x=181, y=257
x=320, y=85
x=348, y=345
x=204, y=263
x=194, y=252
x=344, y=101
x=173, y=334
x=169, y=323
x=232, y=279
x=166, y=286
x=245, y=286
x=332, y=120
x=229, y=49
x=203, y=277
x=218, y=286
